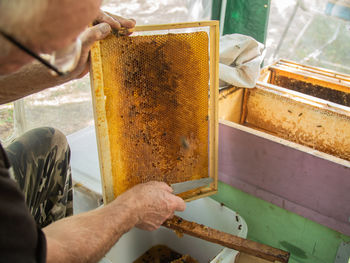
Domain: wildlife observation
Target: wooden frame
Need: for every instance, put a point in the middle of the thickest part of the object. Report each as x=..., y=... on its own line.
x=101, y=125
x=316, y=76
x=319, y=73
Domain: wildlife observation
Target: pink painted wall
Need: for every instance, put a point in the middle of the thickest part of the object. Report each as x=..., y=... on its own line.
x=297, y=181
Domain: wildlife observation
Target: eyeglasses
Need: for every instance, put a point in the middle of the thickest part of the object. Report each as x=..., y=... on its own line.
x=60, y=62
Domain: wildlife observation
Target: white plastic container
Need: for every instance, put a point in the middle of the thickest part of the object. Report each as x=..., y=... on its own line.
x=204, y=211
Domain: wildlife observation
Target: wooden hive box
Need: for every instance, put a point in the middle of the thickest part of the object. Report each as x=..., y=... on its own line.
x=288, y=147
x=153, y=116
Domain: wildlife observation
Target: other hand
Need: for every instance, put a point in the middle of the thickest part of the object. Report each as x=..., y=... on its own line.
x=103, y=26
x=151, y=203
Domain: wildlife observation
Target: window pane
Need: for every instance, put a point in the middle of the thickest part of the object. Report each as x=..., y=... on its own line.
x=314, y=36
x=67, y=107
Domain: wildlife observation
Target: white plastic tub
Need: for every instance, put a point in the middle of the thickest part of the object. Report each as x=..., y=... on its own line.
x=204, y=211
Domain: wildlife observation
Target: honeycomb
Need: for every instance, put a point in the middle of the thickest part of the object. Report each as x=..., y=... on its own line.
x=317, y=91
x=164, y=254
x=306, y=124
x=156, y=103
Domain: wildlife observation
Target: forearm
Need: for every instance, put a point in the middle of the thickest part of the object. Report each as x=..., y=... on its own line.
x=88, y=237
x=30, y=79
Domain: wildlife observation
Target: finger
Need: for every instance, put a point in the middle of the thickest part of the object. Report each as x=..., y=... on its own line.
x=171, y=215
x=128, y=23
x=161, y=185
x=179, y=203
x=131, y=29
x=95, y=33
x=124, y=22
x=165, y=187
x=88, y=37
x=114, y=23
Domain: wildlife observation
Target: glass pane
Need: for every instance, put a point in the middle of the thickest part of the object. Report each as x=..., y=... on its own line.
x=313, y=34
x=161, y=12
x=67, y=107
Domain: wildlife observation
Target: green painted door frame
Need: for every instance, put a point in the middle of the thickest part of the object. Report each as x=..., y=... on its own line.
x=247, y=17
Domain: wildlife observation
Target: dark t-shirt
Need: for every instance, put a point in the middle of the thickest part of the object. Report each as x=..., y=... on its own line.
x=21, y=240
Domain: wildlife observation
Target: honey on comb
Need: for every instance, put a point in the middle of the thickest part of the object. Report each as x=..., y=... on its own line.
x=156, y=90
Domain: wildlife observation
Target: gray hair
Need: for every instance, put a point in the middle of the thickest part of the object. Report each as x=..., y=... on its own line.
x=18, y=18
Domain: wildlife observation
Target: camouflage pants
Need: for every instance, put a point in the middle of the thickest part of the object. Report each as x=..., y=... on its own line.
x=40, y=165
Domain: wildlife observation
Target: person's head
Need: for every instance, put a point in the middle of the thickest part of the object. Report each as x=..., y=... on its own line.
x=41, y=25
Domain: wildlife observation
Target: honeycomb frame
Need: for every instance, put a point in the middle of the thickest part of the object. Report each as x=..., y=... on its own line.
x=100, y=112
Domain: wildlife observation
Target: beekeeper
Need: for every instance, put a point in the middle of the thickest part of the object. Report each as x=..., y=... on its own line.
x=36, y=222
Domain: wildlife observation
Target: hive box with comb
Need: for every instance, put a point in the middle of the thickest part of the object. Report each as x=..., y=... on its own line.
x=283, y=142
x=155, y=102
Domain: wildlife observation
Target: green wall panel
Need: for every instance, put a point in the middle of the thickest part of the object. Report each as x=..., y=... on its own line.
x=248, y=17
x=216, y=8
x=307, y=241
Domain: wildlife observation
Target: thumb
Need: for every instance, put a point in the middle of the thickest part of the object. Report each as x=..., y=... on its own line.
x=95, y=33
x=88, y=37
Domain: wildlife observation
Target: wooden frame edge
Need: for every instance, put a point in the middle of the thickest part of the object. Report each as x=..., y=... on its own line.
x=304, y=98
x=317, y=70
x=308, y=77
x=244, y=107
x=101, y=126
x=176, y=26
x=204, y=193
x=287, y=143
x=214, y=35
